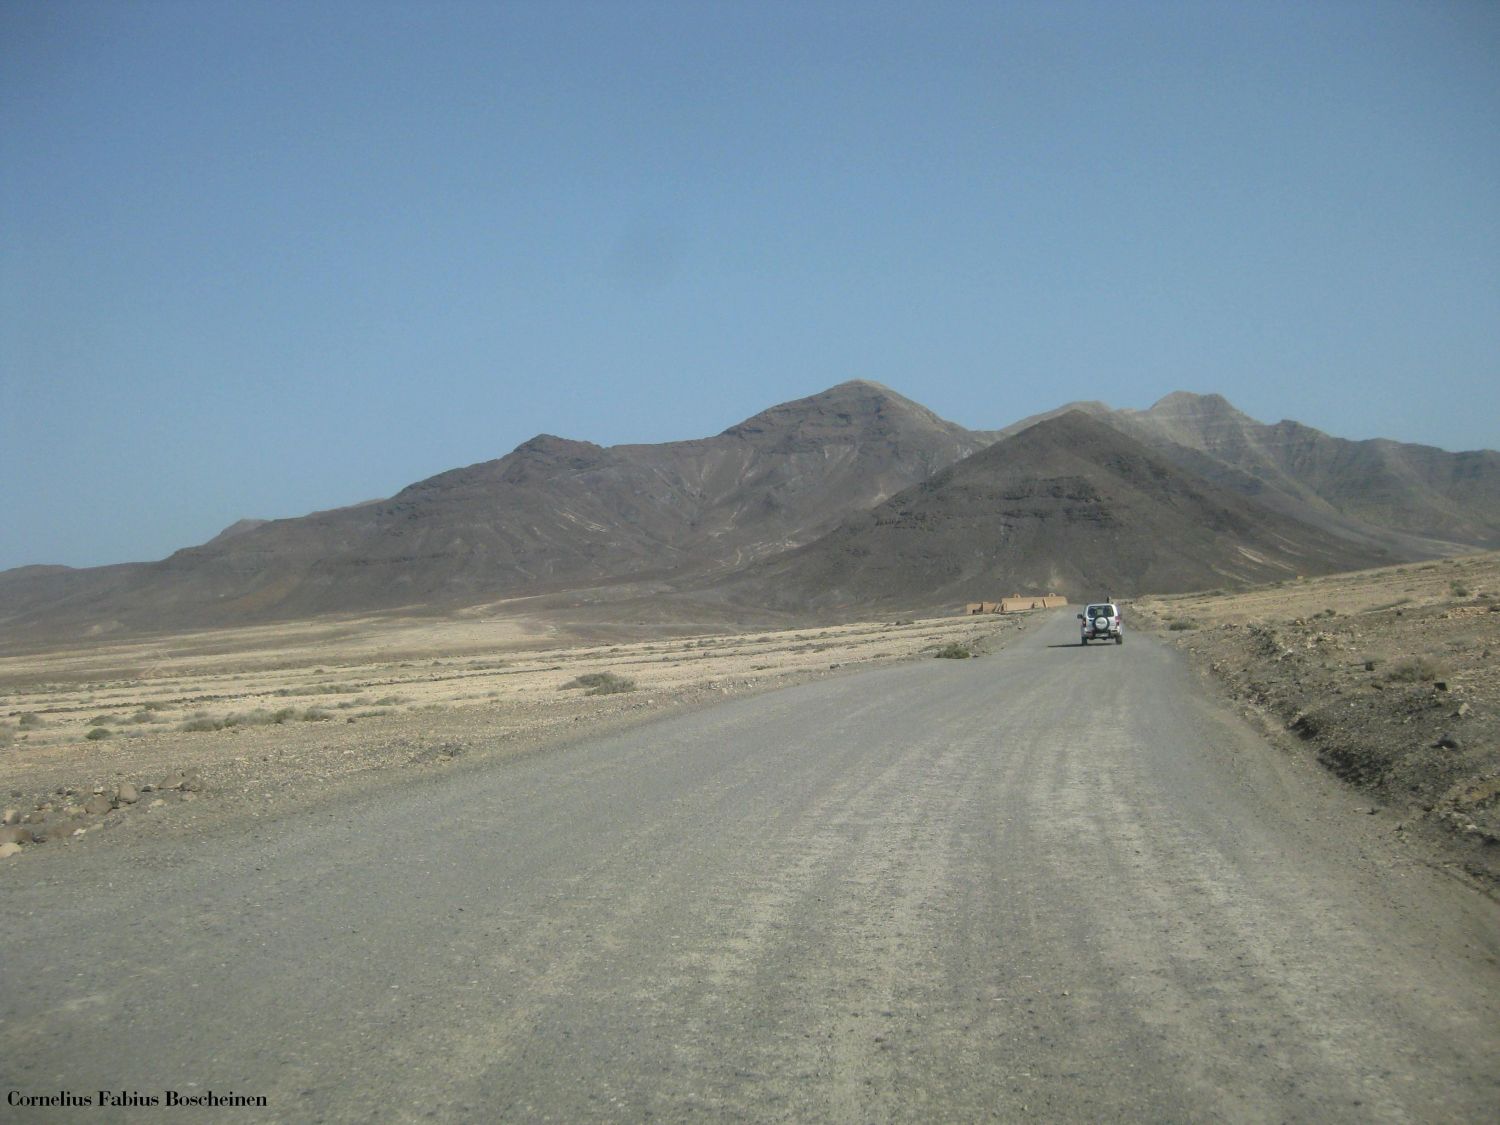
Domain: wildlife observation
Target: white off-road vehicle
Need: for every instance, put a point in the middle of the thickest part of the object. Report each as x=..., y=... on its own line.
x=1101, y=622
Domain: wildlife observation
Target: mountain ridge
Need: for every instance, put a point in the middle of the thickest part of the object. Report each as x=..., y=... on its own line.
x=552, y=513
x=558, y=514
x=1071, y=505
x=1402, y=495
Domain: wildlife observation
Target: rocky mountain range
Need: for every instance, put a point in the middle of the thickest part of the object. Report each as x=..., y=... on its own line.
x=779, y=507
x=1415, y=500
x=1070, y=504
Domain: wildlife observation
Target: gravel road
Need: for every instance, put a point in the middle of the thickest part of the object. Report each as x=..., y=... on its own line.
x=1055, y=881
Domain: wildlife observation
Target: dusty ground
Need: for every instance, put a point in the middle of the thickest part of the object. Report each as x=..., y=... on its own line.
x=1389, y=677
x=169, y=734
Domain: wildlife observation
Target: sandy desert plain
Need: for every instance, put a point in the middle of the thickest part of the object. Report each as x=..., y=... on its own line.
x=176, y=734
x=1387, y=677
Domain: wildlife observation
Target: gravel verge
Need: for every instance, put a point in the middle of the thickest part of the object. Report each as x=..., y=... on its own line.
x=1387, y=677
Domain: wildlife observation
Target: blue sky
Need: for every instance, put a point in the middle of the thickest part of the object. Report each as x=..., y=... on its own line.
x=258, y=259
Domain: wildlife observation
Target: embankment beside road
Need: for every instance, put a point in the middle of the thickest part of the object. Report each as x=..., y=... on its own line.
x=1388, y=677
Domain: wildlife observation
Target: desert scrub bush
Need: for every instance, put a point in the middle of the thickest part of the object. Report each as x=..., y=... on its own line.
x=390, y=700
x=104, y=720
x=145, y=717
x=30, y=721
x=1459, y=590
x=1181, y=624
x=953, y=652
x=99, y=733
x=7, y=735
x=202, y=721
x=320, y=689
x=261, y=717
x=315, y=715
x=1416, y=669
x=601, y=683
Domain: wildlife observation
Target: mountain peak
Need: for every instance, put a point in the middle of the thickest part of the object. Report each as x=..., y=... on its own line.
x=853, y=410
x=1186, y=404
x=1209, y=423
x=1074, y=418
x=552, y=445
x=861, y=386
x=1056, y=442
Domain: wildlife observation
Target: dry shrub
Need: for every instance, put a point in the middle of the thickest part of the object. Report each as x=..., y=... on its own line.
x=601, y=683
x=1416, y=669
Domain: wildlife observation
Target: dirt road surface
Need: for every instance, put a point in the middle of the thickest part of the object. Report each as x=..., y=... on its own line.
x=1054, y=882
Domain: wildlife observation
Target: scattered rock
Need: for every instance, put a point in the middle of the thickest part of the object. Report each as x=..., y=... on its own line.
x=127, y=794
x=8, y=850
x=1447, y=742
x=188, y=781
x=11, y=816
x=16, y=834
x=98, y=806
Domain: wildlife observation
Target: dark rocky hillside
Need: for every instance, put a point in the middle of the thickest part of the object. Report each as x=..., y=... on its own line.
x=553, y=514
x=1412, y=498
x=1070, y=505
